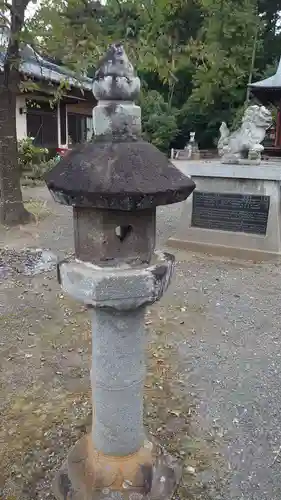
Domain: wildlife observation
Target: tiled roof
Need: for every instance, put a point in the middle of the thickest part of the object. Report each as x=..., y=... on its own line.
x=33, y=65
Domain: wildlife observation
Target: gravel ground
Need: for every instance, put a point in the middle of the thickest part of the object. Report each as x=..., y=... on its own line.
x=232, y=364
x=221, y=319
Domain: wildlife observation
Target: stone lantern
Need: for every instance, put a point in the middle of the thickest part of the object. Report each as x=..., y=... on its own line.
x=114, y=184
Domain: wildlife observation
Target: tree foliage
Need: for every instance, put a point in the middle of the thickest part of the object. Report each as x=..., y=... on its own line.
x=223, y=57
x=158, y=120
x=194, y=56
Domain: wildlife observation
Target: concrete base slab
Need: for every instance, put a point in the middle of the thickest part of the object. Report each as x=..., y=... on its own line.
x=223, y=251
x=149, y=474
x=235, y=210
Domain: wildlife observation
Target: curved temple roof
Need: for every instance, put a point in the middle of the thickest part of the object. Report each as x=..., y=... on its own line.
x=33, y=65
x=268, y=90
x=273, y=82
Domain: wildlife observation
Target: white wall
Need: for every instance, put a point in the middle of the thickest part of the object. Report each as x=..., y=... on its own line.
x=60, y=145
x=21, y=118
x=66, y=110
x=90, y=128
x=59, y=131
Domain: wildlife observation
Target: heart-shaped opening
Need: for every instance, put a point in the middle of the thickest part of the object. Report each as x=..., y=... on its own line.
x=122, y=232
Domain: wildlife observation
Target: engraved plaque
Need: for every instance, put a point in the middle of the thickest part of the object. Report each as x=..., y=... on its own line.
x=245, y=213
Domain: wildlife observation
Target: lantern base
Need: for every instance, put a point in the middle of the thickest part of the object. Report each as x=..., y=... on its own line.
x=87, y=474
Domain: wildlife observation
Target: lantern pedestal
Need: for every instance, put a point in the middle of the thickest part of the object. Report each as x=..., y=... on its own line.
x=116, y=457
x=89, y=475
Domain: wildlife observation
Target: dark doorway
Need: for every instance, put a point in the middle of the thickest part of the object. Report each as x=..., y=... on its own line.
x=42, y=124
x=78, y=127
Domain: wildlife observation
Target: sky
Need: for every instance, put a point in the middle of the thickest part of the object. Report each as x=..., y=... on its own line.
x=31, y=8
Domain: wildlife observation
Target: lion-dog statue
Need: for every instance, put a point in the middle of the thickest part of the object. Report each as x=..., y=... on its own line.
x=244, y=145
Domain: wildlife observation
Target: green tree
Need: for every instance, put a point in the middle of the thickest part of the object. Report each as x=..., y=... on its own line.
x=151, y=39
x=158, y=120
x=223, y=55
x=193, y=55
x=156, y=33
x=69, y=31
x=270, y=14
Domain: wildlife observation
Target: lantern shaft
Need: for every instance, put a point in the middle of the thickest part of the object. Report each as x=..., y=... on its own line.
x=117, y=376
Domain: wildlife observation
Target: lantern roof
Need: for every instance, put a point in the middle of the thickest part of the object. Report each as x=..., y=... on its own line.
x=117, y=170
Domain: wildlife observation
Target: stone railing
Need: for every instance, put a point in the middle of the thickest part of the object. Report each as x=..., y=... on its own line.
x=180, y=154
x=185, y=154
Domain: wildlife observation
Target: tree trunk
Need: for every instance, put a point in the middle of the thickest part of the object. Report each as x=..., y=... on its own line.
x=12, y=210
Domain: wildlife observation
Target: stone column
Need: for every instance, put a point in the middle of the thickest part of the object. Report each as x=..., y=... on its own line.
x=118, y=380
x=114, y=185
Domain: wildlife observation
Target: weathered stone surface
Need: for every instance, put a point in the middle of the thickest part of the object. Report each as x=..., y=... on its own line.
x=212, y=176
x=119, y=119
x=115, y=78
x=108, y=182
x=117, y=170
x=245, y=143
x=122, y=288
x=118, y=377
x=149, y=474
x=107, y=238
x=118, y=176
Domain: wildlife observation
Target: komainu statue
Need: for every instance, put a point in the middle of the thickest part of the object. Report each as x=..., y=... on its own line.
x=244, y=145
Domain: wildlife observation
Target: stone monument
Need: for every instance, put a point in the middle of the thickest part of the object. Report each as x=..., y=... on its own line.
x=244, y=145
x=192, y=148
x=190, y=152
x=236, y=208
x=114, y=183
